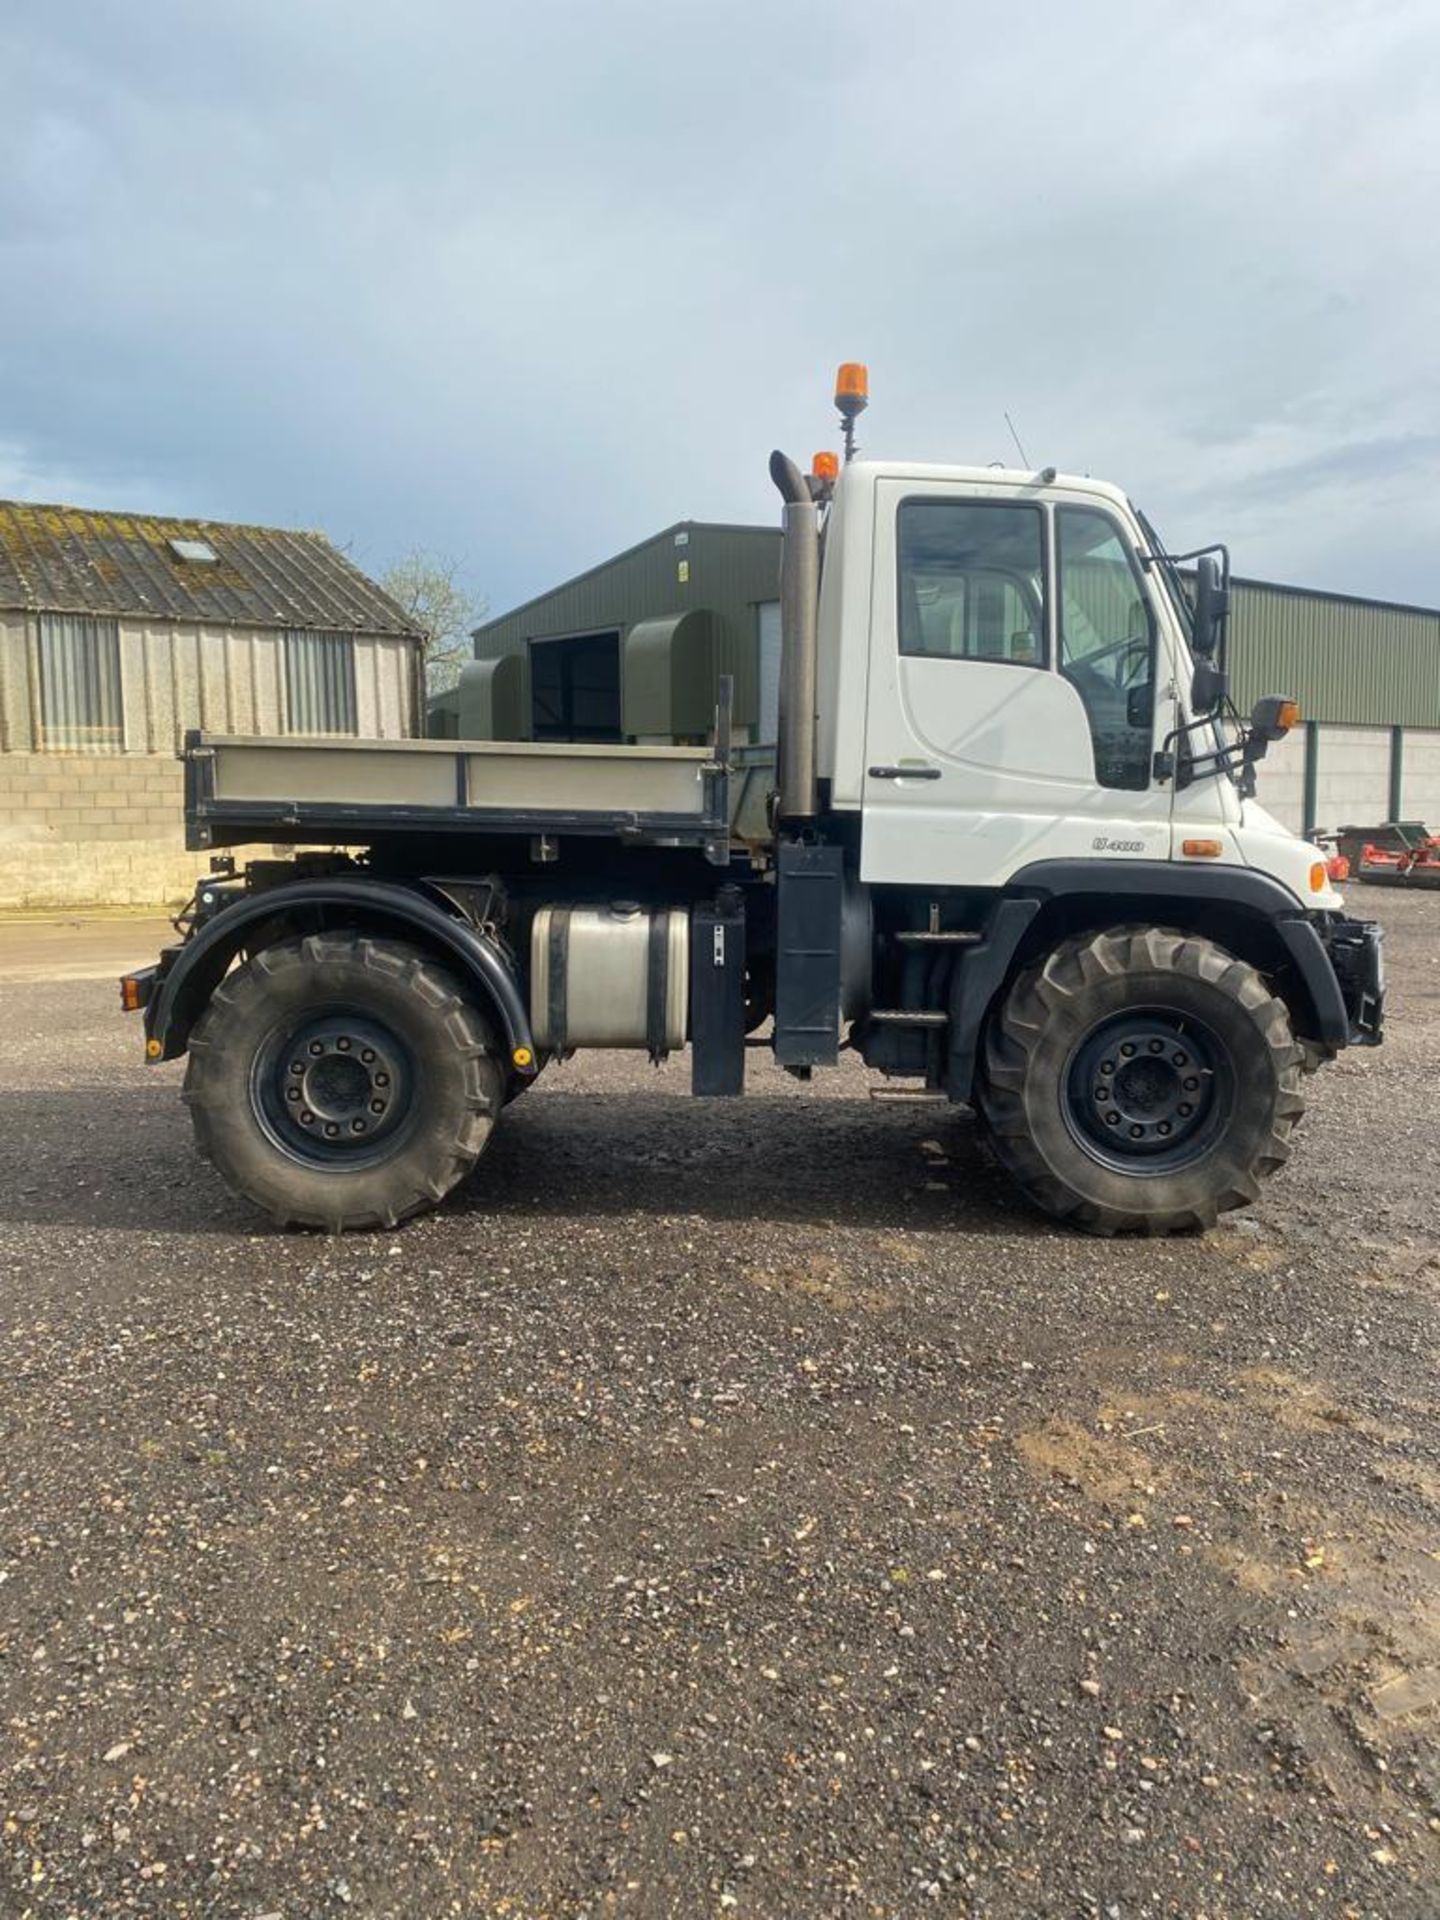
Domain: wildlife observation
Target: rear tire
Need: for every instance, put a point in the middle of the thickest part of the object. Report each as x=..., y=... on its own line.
x=341, y=1081
x=1140, y=1080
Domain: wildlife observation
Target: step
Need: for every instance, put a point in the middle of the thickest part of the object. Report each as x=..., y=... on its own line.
x=935, y=938
x=909, y=1017
x=910, y=1096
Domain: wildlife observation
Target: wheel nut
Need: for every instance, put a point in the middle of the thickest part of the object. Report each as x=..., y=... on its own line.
x=1184, y=1110
x=306, y=1118
x=368, y=1055
x=1107, y=1066
x=1136, y=1132
x=1128, y=1048
x=1157, y=1046
x=292, y=1093
x=1102, y=1093
x=343, y=1043
x=377, y=1106
x=331, y=1129
x=1181, y=1060
x=1112, y=1119
x=297, y=1066
x=357, y=1126
x=1191, y=1082
x=317, y=1046
x=1164, y=1127
x=382, y=1079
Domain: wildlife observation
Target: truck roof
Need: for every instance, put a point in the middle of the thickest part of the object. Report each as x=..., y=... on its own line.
x=868, y=471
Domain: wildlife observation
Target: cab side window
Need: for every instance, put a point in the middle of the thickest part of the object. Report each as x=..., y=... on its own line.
x=972, y=581
x=1107, y=644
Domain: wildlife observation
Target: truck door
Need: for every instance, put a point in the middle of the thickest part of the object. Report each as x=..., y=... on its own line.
x=1014, y=657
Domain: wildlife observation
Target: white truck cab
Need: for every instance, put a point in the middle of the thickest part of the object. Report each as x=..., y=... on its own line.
x=1002, y=666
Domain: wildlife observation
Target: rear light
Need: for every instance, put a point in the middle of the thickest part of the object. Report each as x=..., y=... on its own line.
x=134, y=992
x=1338, y=867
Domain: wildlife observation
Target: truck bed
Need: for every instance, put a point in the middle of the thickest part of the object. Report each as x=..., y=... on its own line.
x=360, y=792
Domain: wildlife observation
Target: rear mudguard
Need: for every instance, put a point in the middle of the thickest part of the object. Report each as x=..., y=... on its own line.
x=181, y=994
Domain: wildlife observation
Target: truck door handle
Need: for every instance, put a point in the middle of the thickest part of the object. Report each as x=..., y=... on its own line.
x=903, y=773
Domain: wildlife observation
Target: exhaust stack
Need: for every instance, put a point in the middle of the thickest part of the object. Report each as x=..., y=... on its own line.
x=797, y=801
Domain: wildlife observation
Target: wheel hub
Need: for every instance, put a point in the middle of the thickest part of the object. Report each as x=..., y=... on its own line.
x=1147, y=1087
x=332, y=1089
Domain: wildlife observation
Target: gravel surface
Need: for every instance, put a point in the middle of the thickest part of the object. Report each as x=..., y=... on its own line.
x=739, y=1508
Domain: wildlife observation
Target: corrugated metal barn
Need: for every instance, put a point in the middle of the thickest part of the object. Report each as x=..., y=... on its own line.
x=118, y=634
x=632, y=649
x=607, y=656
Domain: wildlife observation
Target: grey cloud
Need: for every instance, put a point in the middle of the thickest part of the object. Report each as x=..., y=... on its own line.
x=525, y=284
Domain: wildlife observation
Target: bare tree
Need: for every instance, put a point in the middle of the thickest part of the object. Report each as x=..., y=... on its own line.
x=430, y=589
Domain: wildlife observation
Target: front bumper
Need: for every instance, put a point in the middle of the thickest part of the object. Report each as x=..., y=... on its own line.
x=1357, y=953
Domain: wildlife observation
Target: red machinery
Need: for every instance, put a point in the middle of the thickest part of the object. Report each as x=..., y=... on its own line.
x=1413, y=866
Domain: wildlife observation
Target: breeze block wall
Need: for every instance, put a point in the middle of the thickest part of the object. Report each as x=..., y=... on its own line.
x=84, y=830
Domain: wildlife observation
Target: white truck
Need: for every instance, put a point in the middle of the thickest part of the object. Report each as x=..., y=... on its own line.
x=1012, y=858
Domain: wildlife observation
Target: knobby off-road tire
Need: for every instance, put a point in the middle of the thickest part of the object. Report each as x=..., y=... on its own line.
x=1140, y=1080
x=340, y=1081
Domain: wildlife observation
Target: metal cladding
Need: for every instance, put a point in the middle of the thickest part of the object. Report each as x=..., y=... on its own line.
x=1349, y=662
x=726, y=571
x=131, y=566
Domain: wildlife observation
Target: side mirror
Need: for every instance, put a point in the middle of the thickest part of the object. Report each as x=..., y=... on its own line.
x=1212, y=603
x=1209, y=687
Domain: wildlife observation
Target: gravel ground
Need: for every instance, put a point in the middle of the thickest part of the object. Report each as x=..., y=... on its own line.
x=741, y=1508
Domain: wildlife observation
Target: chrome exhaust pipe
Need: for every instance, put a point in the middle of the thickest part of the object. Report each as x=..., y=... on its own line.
x=798, y=800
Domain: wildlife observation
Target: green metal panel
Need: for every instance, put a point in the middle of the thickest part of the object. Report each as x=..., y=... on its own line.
x=670, y=677
x=723, y=570
x=1359, y=663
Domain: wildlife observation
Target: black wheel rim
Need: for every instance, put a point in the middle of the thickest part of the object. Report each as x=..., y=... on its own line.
x=336, y=1090
x=1149, y=1090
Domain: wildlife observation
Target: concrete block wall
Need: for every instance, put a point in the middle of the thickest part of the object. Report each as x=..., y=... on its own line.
x=1280, y=781
x=1420, y=776
x=1352, y=783
x=1352, y=777
x=80, y=830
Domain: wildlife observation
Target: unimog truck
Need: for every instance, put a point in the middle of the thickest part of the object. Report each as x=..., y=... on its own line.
x=1012, y=858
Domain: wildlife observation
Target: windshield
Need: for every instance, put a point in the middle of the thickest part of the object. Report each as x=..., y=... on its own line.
x=1169, y=575
x=1222, y=726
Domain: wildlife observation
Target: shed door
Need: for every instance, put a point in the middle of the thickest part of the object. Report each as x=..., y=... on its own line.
x=575, y=688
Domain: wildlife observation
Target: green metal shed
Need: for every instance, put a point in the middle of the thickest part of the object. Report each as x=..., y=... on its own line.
x=681, y=608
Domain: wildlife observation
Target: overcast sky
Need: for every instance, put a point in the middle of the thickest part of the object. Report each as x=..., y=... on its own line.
x=523, y=284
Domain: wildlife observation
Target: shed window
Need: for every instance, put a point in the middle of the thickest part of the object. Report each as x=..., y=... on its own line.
x=79, y=661
x=320, y=682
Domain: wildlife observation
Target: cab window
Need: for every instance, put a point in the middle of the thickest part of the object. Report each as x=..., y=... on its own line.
x=1107, y=644
x=972, y=581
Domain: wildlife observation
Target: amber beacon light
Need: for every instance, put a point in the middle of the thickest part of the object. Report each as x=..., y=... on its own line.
x=852, y=396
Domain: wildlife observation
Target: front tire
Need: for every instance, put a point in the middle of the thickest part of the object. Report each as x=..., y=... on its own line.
x=341, y=1081
x=1140, y=1080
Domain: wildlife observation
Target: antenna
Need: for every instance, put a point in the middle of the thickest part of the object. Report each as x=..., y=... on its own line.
x=1024, y=457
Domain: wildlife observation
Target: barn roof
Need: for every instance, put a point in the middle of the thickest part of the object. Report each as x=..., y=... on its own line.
x=145, y=566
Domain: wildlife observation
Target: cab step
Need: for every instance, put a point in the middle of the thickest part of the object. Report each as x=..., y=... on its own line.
x=935, y=937
x=910, y=1096
x=909, y=1017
